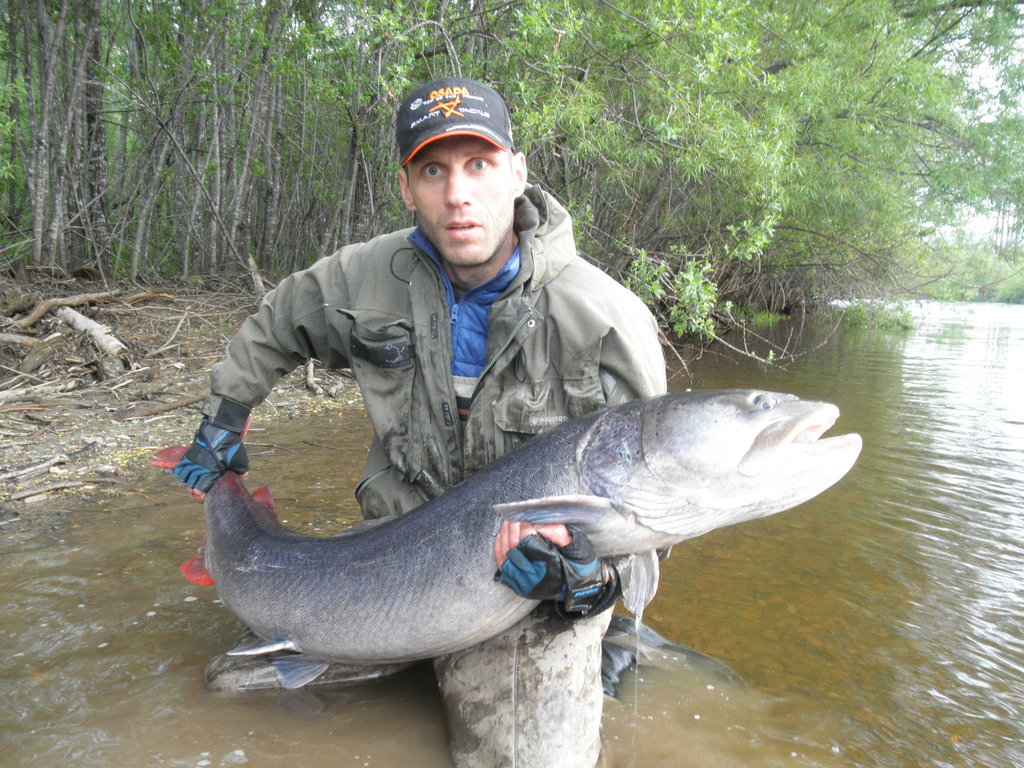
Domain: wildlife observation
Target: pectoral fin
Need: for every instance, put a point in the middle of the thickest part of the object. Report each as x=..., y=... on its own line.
x=194, y=569
x=582, y=511
x=639, y=575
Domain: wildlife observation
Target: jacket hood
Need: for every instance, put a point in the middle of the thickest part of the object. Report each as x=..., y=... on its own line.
x=546, y=239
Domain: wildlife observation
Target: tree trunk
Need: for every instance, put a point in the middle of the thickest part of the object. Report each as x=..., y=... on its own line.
x=48, y=42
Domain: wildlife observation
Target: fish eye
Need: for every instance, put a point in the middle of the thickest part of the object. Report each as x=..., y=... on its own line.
x=764, y=402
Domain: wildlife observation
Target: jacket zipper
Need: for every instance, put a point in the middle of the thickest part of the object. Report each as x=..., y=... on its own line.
x=508, y=343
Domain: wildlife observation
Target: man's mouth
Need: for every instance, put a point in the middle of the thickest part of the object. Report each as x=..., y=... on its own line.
x=462, y=231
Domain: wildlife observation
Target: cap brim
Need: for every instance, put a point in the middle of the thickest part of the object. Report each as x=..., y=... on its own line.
x=449, y=134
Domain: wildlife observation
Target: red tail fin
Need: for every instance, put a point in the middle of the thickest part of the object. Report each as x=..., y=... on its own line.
x=168, y=458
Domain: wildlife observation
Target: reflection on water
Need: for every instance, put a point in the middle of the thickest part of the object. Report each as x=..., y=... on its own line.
x=896, y=599
x=878, y=625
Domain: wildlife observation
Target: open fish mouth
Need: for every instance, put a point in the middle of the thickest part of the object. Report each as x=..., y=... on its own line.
x=795, y=436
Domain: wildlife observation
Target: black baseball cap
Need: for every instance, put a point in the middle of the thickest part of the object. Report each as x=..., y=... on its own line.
x=451, y=106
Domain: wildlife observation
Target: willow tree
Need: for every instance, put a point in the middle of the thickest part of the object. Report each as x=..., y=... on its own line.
x=759, y=151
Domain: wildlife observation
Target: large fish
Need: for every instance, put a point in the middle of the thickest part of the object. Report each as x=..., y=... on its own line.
x=636, y=478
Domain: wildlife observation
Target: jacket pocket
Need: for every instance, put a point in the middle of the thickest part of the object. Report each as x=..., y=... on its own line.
x=525, y=409
x=380, y=340
x=382, y=353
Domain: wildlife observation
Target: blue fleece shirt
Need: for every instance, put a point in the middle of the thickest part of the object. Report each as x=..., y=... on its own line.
x=469, y=315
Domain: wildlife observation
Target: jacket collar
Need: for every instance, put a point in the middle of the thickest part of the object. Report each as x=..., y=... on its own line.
x=482, y=294
x=546, y=239
x=546, y=242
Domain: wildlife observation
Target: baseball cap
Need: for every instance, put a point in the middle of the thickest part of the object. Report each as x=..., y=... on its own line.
x=451, y=106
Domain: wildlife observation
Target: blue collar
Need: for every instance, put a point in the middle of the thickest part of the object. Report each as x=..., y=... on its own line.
x=484, y=294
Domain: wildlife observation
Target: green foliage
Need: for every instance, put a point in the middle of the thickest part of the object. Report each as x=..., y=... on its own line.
x=889, y=316
x=965, y=269
x=756, y=318
x=1011, y=290
x=714, y=150
x=687, y=296
x=10, y=94
x=695, y=298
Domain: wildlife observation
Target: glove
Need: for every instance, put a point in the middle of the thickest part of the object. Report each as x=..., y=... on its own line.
x=216, y=448
x=573, y=575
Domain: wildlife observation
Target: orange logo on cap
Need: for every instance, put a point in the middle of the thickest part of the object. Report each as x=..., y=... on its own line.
x=450, y=108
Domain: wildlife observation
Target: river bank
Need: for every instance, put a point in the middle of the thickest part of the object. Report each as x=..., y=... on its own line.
x=77, y=422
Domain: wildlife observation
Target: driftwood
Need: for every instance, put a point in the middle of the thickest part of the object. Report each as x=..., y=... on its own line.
x=33, y=469
x=169, y=340
x=44, y=465
x=110, y=365
x=68, y=301
x=62, y=486
x=145, y=296
x=17, y=338
x=39, y=354
x=104, y=339
x=145, y=410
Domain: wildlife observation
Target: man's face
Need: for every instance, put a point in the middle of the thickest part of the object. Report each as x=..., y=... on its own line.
x=463, y=190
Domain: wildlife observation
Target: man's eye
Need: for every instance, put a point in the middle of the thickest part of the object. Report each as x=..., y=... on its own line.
x=431, y=170
x=479, y=165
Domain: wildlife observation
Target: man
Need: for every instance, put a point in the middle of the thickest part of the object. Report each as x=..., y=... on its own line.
x=468, y=334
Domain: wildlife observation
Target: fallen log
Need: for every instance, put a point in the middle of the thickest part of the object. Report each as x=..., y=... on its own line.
x=68, y=301
x=103, y=338
x=39, y=354
x=17, y=338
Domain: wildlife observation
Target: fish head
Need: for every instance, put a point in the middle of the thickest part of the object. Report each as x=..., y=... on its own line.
x=687, y=463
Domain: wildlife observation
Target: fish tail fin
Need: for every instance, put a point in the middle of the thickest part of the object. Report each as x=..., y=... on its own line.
x=168, y=458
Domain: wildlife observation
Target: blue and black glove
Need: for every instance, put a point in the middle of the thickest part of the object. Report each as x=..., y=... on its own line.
x=216, y=448
x=574, y=576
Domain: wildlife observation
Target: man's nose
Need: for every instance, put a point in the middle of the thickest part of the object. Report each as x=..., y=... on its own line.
x=457, y=189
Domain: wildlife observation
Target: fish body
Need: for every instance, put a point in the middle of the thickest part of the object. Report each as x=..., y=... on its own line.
x=635, y=478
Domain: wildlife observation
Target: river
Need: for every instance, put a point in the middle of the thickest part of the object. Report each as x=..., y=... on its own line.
x=879, y=624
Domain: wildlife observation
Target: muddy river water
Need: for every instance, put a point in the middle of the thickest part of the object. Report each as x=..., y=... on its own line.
x=881, y=624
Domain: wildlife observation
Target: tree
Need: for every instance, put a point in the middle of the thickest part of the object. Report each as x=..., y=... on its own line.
x=765, y=152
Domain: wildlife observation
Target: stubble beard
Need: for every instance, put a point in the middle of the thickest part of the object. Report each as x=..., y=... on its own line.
x=461, y=265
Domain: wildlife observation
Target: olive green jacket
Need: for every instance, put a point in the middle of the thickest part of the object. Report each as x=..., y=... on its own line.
x=565, y=339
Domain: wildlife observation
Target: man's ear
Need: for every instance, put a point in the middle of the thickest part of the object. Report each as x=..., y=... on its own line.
x=519, y=173
x=403, y=185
